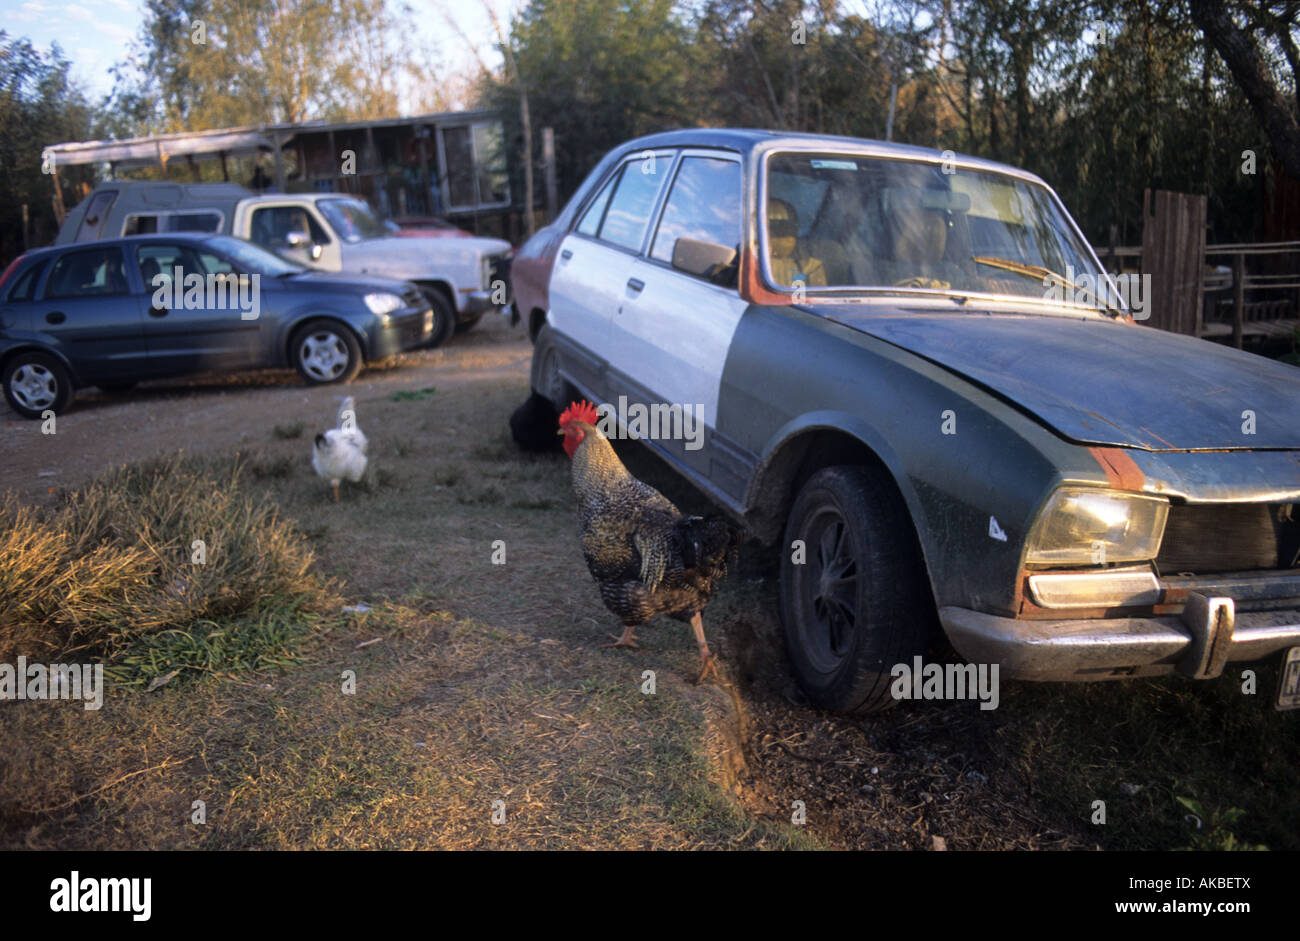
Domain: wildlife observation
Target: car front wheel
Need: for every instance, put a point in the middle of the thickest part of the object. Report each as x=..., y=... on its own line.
x=35, y=383
x=444, y=317
x=854, y=596
x=324, y=352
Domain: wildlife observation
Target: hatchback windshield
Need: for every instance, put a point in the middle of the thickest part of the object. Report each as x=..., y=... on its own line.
x=847, y=221
x=253, y=259
x=352, y=219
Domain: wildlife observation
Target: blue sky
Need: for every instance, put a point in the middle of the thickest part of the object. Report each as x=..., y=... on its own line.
x=95, y=33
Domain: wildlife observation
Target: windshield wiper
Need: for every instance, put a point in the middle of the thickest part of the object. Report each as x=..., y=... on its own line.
x=1039, y=272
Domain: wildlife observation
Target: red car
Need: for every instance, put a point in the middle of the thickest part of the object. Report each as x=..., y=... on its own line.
x=431, y=227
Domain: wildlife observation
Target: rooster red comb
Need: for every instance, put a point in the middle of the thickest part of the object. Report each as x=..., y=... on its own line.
x=582, y=411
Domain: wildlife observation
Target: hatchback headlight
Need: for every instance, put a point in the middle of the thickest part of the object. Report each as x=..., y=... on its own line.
x=1082, y=526
x=383, y=303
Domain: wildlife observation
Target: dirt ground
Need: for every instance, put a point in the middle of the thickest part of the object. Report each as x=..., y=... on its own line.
x=214, y=412
x=497, y=671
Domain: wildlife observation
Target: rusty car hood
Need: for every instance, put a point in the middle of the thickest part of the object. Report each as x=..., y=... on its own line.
x=1105, y=382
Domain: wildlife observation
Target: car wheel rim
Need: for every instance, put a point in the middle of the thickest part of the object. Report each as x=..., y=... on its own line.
x=832, y=590
x=324, y=355
x=33, y=386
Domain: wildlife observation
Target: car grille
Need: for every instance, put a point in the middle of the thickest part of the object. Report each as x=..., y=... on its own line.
x=499, y=268
x=1237, y=537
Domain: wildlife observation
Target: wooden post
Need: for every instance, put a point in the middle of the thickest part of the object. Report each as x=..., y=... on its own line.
x=26, y=219
x=1238, y=297
x=548, y=167
x=421, y=135
x=225, y=174
x=194, y=167
x=279, y=162
x=60, y=213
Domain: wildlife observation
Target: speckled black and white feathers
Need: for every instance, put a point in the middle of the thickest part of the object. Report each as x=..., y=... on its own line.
x=647, y=557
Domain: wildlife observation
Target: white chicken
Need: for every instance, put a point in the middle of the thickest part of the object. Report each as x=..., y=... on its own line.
x=341, y=452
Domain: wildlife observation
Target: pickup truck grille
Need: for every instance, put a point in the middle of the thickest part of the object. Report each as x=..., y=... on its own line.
x=499, y=268
x=1236, y=537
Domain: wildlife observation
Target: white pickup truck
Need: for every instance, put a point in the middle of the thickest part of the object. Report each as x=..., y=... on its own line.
x=462, y=277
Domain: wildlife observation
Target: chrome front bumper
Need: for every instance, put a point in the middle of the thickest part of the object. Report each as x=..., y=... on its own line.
x=1209, y=633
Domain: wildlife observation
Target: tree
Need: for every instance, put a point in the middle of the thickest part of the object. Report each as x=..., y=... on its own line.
x=39, y=105
x=1242, y=54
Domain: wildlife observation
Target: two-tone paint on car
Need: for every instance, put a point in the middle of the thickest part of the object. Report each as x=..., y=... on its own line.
x=969, y=421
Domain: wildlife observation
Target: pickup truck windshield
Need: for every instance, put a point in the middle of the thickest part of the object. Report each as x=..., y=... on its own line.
x=842, y=221
x=253, y=259
x=352, y=219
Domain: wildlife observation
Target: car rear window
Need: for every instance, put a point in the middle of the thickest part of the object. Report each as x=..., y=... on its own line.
x=24, y=288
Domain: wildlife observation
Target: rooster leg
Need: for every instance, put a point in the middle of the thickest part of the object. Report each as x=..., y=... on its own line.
x=707, y=664
x=335, y=484
x=626, y=640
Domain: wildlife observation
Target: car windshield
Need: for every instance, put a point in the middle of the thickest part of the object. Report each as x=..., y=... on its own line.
x=253, y=259
x=352, y=219
x=838, y=221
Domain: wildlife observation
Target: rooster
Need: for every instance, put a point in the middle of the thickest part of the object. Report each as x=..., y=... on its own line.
x=341, y=452
x=646, y=556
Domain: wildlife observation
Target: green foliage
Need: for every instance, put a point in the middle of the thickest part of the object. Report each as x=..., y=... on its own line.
x=1103, y=99
x=412, y=395
x=1213, y=828
x=39, y=105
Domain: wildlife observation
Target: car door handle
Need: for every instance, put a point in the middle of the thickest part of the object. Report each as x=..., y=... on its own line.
x=635, y=285
x=55, y=316
x=566, y=254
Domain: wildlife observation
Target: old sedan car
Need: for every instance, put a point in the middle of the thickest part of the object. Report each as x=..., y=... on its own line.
x=901, y=382
x=112, y=313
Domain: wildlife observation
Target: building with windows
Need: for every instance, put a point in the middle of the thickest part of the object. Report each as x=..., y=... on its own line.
x=452, y=165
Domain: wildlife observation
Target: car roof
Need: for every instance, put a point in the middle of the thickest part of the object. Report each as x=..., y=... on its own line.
x=748, y=139
x=118, y=242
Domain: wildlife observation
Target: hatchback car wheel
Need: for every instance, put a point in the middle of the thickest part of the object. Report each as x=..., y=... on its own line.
x=854, y=595
x=325, y=352
x=444, y=317
x=35, y=383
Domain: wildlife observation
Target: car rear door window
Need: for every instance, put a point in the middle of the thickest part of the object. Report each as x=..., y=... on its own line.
x=704, y=204
x=94, y=272
x=634, y=199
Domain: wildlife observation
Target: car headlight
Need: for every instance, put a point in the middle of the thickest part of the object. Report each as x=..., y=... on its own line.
x=1095, y=527
x=383, y=303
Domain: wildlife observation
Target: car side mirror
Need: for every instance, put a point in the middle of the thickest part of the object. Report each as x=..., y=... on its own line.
x=704, y=259
x=297, y=239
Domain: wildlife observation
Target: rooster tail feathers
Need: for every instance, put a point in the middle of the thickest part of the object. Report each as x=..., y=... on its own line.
x=706, y=541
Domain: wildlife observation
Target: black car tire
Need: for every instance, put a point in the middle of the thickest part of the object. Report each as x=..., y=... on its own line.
x=550, y=384
x=325, y=352
x=444, y=317
x=36, y=382
x=843, y=645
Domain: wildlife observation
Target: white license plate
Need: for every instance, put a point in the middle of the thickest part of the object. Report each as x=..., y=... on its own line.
x=1288, y=687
